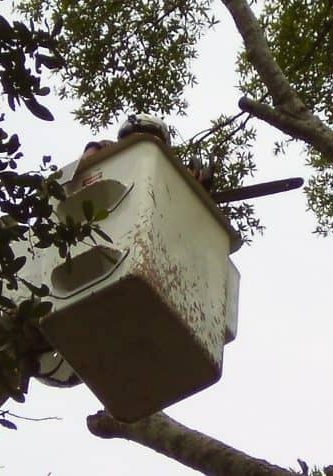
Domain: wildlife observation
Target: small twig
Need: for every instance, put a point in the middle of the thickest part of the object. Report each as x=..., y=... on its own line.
x=31, y=244
x=211, y=130
x=153, y=24
x=7, y=412
x=239, y=128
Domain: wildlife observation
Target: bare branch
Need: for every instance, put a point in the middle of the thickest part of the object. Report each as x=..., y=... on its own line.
x=207, y=132
x=311, y=130
x=189, y=447
x=261, y=57
x=6, y=412
x=289, y=115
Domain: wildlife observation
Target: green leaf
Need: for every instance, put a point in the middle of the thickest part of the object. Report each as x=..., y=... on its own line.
x=22, y=30
x=42, y=309
x=57, y=26
x=70, y=221
x=63, y=250
x=43, y=91
x=43, y=291
x=8, y=303
x=56, y=190
x=56, y=175
x=8, y=424
x=88, y=209
x=38, y=110
x=25, y=309
x=102, y=234
x=101, y=215
x=17, y=264
x=17, y=396
x=46, y=160
x=6, y=31
x=13, y=144
x=50, y=62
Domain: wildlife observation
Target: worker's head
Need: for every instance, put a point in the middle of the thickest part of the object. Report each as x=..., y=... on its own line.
x=105, y=143
x=145, y=123
x=91, y=148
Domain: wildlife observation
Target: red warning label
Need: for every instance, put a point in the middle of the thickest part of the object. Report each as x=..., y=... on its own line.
x=92, y=179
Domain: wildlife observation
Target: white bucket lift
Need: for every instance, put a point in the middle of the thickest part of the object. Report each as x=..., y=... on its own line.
x=143, y=321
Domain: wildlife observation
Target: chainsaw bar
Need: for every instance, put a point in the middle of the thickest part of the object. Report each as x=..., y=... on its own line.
x=258, y=190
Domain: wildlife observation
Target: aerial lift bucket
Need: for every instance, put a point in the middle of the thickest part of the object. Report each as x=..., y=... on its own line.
x=143, y=320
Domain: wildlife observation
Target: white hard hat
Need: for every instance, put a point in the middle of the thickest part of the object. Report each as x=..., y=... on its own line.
x=145, y=123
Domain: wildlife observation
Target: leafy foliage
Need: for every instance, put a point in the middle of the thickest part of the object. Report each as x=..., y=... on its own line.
x=227, y=145
x=300, y=36
x=18, y=44
x=124, y=56
x=26, y=206
x=30, y=218
x=136, y=56
x=320, y=194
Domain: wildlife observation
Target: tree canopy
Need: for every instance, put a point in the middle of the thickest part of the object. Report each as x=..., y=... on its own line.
x=117, y=57
x=299, y=35
x=125, y=56
x=138, y=57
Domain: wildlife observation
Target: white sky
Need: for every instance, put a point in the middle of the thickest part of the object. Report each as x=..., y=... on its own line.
x=274, y=400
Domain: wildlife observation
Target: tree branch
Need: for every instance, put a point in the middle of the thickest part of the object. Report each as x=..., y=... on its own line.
x=191, y=448
x=289, y=115
x=311, y=130
x=4, y=413
x=260, y=55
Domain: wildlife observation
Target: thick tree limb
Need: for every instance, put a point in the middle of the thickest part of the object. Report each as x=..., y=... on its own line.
x=289, y=115
x=189, y=447
x=261, y=57
x=311, y=130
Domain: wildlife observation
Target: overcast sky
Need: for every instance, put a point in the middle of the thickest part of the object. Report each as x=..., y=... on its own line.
x=274, y=400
